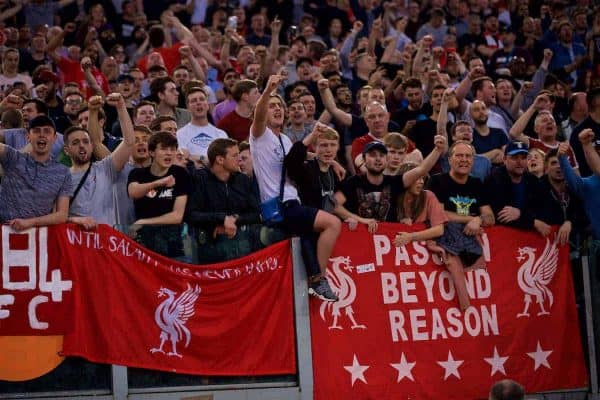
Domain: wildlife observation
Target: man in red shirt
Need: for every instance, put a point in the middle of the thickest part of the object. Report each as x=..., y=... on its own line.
x=71, y=68
x=237, y=122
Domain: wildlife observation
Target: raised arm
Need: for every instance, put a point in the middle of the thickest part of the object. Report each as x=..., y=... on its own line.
x=274, y=45
x=259, y=124
x=86, y=66
x=94, y=128
x=442, y=120
x=329, y=103
x=586, y=137
x=123, y=151
x=574, y=181
x=516, y=132
x=441, y=146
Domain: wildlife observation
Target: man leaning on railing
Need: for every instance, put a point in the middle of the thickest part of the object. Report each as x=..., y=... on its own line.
x=221, y=206
x=35, y=189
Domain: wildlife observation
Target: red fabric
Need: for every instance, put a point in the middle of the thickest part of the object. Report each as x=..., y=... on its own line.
x=36, y=295
x=239, y=313
x=538, y=144
x=72, y=72
x=236, y=126
x=170, y=56
x=378, y=287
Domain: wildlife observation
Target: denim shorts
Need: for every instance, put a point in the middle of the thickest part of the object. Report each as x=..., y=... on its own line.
x=298, y=219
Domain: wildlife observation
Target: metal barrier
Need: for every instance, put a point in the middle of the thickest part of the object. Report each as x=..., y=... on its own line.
x=78, y=379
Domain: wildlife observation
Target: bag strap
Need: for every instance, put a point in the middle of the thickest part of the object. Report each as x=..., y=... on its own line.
x=282, y=182
x=81, y=182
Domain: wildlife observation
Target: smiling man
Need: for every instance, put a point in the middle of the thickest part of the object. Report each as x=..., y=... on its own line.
x=35, y=189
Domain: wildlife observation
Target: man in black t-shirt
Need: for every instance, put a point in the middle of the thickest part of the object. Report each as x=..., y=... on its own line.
x=464, y=197
x=373, y=197
x=159, y=194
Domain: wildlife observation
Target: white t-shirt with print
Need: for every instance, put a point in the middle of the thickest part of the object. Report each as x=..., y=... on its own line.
x=196, y=139
x=267, y=159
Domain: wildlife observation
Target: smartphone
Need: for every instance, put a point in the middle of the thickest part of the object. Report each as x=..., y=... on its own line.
x=232, y=22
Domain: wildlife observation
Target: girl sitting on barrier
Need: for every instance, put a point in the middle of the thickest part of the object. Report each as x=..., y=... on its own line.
x=445, y=239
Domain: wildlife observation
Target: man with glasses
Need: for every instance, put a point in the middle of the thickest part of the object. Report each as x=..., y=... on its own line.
x=35, y=189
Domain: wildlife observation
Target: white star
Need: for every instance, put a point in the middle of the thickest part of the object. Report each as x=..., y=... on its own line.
x=404, y=368
x=450, y=366
x=357, y=370
x=496, y=362
x=540, y=357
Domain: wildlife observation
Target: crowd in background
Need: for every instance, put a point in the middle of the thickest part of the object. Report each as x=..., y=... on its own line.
x=225, y=114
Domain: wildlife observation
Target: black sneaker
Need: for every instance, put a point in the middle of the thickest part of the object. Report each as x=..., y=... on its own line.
x=322, y=290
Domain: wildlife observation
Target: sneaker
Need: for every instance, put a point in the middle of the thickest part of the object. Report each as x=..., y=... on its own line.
x=322, y=290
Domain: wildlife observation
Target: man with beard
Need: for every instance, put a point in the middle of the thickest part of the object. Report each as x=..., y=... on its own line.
x=488, y=142
x=512, y=190
x=415, y=109
x=35, y=189
x=92, y=202
x=373, y=196
x=54, y=103
x=230, y=78
x=423, y=132
x=73, y=103
x=544, y=127
x=483, y=89
x=556, y=203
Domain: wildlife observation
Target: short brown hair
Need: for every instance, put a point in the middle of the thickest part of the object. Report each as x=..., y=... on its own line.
x=242, y=87
x=166, y=139
x=395, y=140
x=155, y=124
x=219, y=147
x=244, y=146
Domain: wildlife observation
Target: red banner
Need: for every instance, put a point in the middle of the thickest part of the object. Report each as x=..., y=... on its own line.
x=36, y=292
x=129, y=306
x=397, y=331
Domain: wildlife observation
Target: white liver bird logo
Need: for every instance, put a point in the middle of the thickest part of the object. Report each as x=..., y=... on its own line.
x=344, y=287
x=171, y=316
x=535, y=275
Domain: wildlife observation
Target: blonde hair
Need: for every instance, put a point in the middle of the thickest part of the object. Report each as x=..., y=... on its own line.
x=328, y=134
x=395, y=140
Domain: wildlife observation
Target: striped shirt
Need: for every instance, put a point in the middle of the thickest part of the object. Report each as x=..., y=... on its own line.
x=30, y=188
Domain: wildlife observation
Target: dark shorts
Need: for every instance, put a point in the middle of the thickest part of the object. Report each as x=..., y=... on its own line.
x=298, y=219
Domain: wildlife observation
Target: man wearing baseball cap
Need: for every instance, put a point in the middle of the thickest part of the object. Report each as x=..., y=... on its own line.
x=512, y=189
x=372, y=197
x=35, y=189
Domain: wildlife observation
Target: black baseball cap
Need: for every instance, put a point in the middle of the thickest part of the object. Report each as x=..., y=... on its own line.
x=514, y=148
x=375, y=145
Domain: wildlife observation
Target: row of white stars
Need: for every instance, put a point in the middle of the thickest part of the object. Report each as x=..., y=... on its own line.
x=450, y=365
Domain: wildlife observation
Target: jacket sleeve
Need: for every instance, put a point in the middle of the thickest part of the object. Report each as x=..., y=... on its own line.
x=196, y=204
x=574, y=181
x=294, y=161
x=252, y=213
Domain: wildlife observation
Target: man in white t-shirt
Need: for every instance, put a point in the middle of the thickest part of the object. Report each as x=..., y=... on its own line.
x=198, y=134
x=268, y=147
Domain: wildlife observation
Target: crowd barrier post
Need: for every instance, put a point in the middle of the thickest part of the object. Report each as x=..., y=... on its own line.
x=302, y=325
